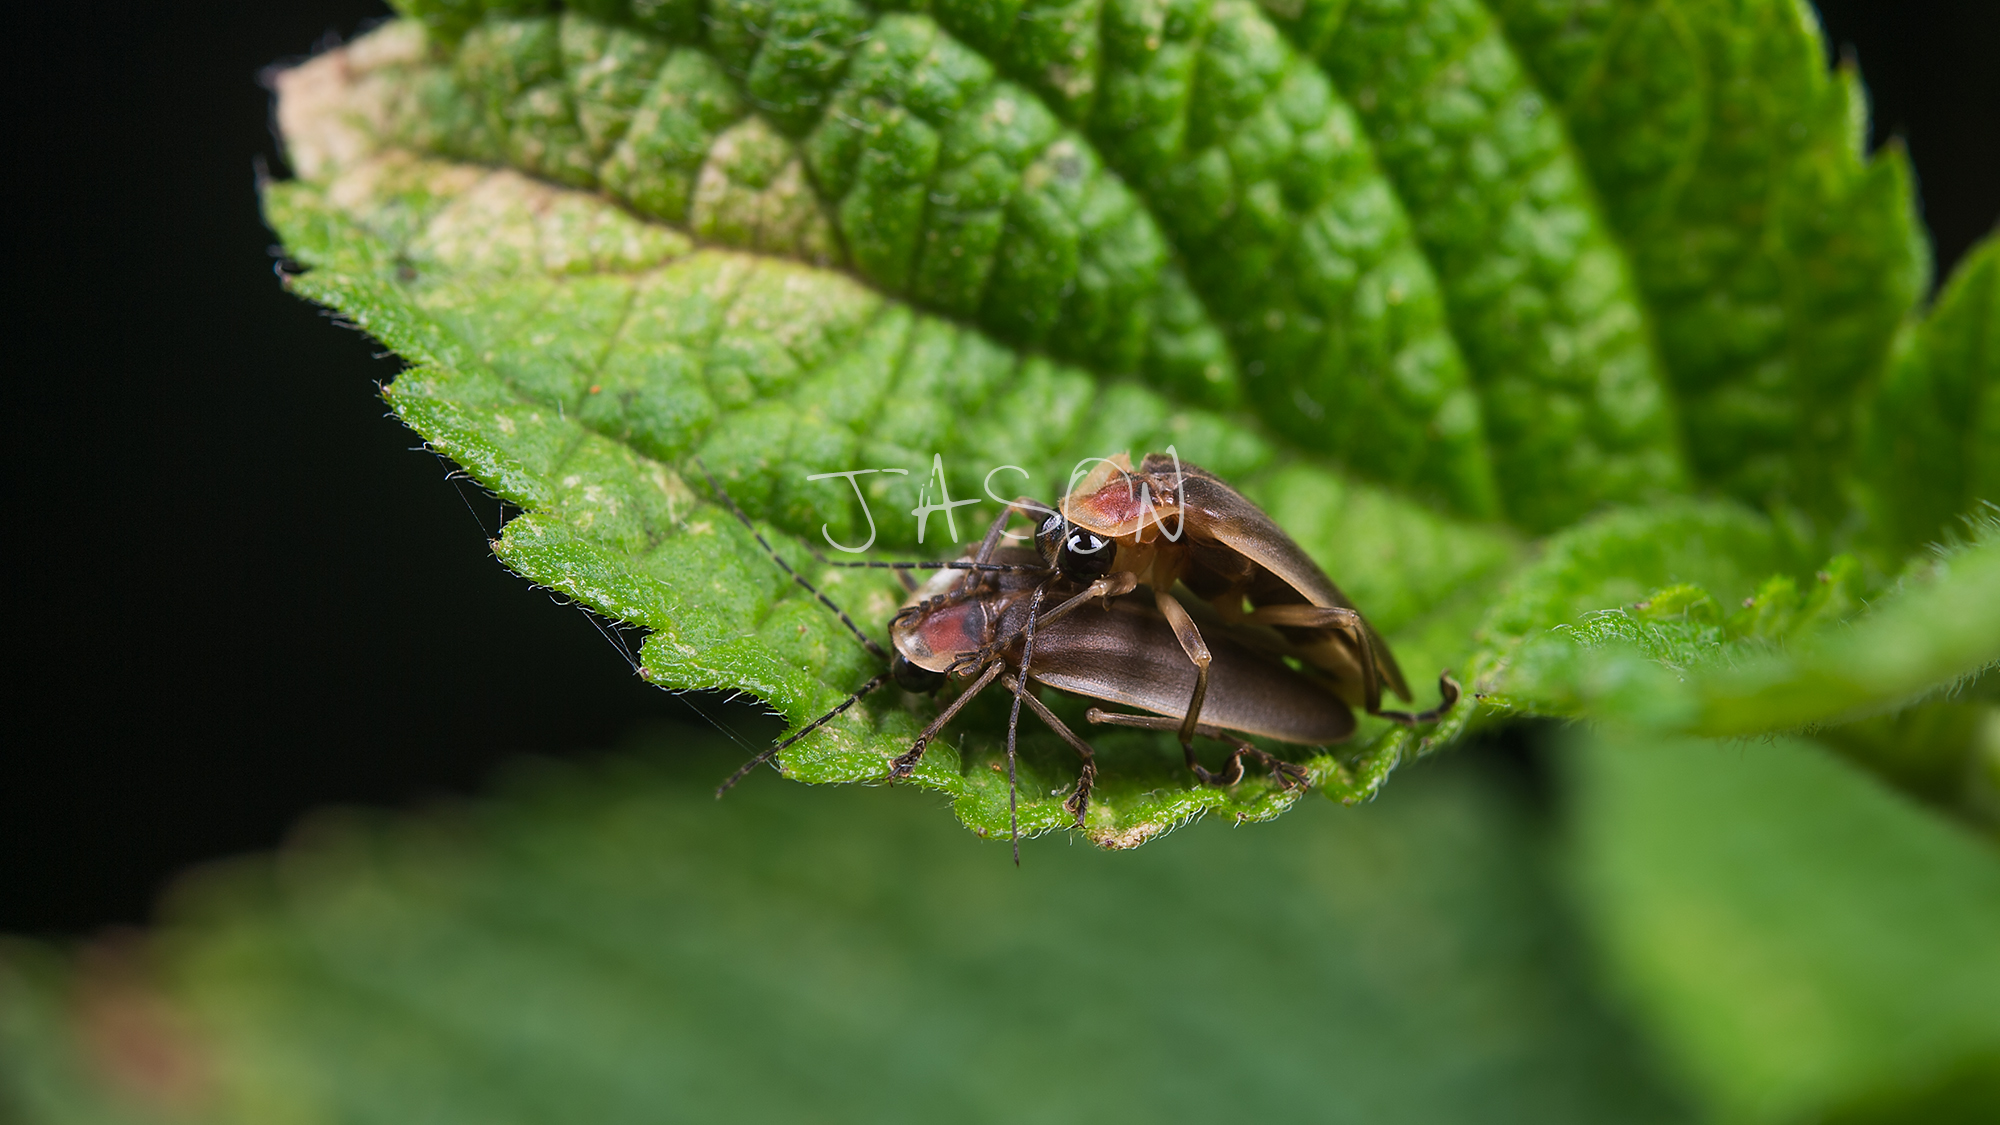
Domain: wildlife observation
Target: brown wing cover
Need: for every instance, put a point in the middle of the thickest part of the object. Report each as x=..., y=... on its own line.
x=1128, y=655
x=1228, y=517
x=1219, y=512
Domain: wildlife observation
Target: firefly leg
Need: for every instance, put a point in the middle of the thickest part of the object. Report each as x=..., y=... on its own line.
x=1106, y=588
x=1349, y=626
x=1197, y=651
x=1348, y=623
x=1079, y=800
x=1448, y=697
x=1289, y=774
x=907, y=762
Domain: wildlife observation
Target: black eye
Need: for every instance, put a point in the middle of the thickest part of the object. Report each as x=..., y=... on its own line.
x=914, y=677
x=1086, y=556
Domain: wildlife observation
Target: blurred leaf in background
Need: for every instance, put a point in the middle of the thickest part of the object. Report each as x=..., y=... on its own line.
x=1805, y=945
x=1581, y=342
x=610, y=943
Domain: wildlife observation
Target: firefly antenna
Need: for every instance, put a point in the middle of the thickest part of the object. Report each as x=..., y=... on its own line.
x=867, y=641
x=767, y=755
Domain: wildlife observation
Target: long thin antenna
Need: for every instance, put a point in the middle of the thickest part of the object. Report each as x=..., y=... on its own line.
x=956, y=564
x=767, y=755
x=612, y=632
x=865, y=639
x=729, y=732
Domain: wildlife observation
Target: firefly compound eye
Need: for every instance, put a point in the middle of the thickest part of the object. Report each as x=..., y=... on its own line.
x=913, y=677
x=1086, y=556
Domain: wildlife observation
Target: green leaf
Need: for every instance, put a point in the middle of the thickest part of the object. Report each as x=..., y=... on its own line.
x=1775, y=263
x=1657, y=619
x=611, y=944
x=1671, y=671
x=1541, y=298
x=575, y=360
x=1805, y=944
x=1932, y=448
x=1526, y=260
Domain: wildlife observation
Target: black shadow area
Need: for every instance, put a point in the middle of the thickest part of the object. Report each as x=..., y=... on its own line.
x=236, y=592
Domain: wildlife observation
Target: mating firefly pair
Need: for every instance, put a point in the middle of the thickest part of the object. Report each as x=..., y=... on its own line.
x=1159, y=588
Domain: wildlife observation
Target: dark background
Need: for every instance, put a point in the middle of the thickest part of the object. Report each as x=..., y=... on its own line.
x=237, y=593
